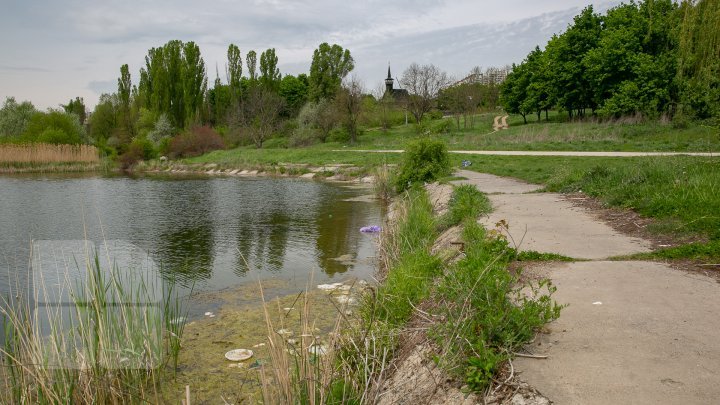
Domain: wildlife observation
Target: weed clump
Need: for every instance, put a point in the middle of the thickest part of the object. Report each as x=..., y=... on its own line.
x=424, y=160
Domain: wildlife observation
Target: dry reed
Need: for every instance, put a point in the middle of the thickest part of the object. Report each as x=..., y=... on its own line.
x=48, y=153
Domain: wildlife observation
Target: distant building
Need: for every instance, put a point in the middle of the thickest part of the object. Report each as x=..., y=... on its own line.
x=491, y=75
x=396, y=94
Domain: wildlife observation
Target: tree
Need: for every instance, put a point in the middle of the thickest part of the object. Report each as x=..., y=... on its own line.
x=349, y=104
x=514, y=97
x=330, y=65
x=251, y=59
x=104, y=119
x=269, y=72
x=384, y=106
x=194, y=80
x=424, y=84
x=261, y=114
x=174, y=82
x=76, y=107
x=14, y=117
x=234, y=73
x=294, y=90
x=55, y=126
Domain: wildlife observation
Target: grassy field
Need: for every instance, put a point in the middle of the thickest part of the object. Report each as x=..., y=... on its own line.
x=554, y=135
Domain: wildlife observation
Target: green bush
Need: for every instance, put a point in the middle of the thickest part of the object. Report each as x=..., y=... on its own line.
x=424, y=160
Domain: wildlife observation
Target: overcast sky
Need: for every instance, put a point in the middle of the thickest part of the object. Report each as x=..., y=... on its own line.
x=53, y=51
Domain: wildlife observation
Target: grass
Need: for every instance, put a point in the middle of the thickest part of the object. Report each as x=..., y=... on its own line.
x=683, y=193
x=107, y=348
x=555, y=135
x=465, y=202
x=41, y=153
x=487, y=313
x=699, y=251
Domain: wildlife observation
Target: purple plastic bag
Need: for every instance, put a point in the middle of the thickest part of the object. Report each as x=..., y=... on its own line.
x=370, y=229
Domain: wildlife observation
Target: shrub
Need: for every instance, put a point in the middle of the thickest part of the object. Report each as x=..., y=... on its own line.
x=443, y=127
x=56, y=127
x=424, y=160
x=338, y=134
x=305, y=136
x=195, y=142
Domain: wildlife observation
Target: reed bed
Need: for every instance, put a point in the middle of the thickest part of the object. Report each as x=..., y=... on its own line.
x=43, y=153
x=110, y=345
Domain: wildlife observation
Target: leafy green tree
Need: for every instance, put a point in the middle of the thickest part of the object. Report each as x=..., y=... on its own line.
x=699, y=59
x=76, y=107
x=194, y=83
x=330, y=65
x=219, y=100
x=571, y=82
x=14, y=117
x=269, y=72
x=56, y=127
x=174, y=81
x=234, y=73
x=294, y=90
x=514, y=91
x=251, y=59
x=104, y=119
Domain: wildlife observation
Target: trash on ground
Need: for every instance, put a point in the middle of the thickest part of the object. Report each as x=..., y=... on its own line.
x=239, y=354
x=318, y=350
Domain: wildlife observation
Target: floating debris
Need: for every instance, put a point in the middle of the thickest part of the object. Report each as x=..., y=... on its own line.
x=370, y=229
x=209, y=314
x=284, y=332
x=178, y=321
x=330, y=287
x=239, y=354
x=346, y=299
x=318, y=350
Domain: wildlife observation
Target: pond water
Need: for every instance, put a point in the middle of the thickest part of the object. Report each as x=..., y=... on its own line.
x=208, y=233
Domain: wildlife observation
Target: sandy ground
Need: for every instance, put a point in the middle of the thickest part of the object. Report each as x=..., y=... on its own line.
x=633, y=332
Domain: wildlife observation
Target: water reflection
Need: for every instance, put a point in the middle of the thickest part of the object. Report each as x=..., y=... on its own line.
x=200, y=231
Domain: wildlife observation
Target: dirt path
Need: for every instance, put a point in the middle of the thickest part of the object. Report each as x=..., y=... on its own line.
x=634, y=332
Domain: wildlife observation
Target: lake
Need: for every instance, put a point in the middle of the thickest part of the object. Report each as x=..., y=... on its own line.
x=209, y=233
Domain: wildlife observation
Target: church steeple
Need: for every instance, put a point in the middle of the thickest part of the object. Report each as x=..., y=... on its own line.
x=389, y=81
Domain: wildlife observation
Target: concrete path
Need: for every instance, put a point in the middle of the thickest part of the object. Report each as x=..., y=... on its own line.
x=633, y=333
x=545, y=222
x=546, y=153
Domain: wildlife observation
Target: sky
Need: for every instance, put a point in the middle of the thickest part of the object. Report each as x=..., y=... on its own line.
x=53, y=51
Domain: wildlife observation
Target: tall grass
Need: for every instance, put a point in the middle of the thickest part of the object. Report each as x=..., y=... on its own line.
x=109, y=344
x=681, y=191
x=48, y=153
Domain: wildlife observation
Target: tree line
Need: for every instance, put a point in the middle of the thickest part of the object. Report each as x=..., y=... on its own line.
x=652, y=58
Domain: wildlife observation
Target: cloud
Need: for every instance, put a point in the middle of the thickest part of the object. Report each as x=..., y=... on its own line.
x=103, y=86
x=12, y=68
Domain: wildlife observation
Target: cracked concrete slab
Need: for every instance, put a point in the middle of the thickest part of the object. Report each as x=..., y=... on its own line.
x=545, y=222
x=633, y=333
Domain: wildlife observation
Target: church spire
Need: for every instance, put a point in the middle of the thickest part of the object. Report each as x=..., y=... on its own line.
x=389, y=81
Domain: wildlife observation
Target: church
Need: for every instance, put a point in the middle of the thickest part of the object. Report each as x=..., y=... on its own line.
x=396, y=94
